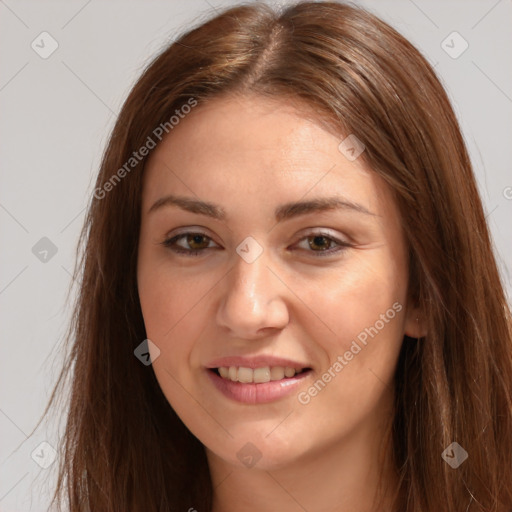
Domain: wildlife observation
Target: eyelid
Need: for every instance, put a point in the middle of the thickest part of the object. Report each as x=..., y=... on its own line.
x=314, y=231
x=321, y=232
x=188, y=231
x=341, y=245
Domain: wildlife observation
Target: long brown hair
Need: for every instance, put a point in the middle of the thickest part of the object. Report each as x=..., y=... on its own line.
x=124, y=447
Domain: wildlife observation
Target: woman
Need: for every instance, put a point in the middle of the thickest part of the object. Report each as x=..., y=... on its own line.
x=289, y=299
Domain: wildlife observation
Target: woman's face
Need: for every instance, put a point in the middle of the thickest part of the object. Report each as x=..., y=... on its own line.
x=278, y=282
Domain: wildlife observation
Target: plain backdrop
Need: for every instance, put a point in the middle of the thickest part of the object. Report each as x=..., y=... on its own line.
x=57, y=112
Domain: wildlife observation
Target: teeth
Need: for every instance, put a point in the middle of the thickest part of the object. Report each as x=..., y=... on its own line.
x=289, y=372
x=277, y=373
x=258, y=375
x=245, y=374
x=262, y=374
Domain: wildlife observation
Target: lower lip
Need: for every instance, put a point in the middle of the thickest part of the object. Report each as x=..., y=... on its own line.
x=257, y=393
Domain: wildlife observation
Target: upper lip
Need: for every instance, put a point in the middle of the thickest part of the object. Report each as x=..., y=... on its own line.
x=256, y=362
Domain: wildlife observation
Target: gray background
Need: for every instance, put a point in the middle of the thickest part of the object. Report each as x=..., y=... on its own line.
x=56, y=116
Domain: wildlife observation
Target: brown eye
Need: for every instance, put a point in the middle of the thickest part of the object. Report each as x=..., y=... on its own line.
x=323, y=244
x=319, y=242
x=197, y=241
x=191, y=243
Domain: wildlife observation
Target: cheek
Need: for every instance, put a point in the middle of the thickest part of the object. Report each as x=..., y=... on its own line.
x=167, y=301
x=169, y=294
x=173, y=307
x=176, y=307
x=364, y=307
x=353, y=297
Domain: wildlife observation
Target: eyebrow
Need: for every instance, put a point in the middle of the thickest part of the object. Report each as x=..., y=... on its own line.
x=283, y=212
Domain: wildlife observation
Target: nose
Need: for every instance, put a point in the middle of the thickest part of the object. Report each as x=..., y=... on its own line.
x=252, y=304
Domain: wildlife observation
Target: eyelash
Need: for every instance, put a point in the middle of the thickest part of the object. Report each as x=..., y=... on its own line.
x=169, y=243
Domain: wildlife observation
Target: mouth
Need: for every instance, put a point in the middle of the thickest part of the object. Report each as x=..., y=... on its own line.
x=259, y=375
x=258, y=385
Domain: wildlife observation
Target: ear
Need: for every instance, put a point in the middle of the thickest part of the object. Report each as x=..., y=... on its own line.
x=415, y=325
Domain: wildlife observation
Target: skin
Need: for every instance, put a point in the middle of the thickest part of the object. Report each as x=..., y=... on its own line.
x=249, y=155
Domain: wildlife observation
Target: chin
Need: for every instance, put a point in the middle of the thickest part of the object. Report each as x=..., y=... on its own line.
x=258, y=452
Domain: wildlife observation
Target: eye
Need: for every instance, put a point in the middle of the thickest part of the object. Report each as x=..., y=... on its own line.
x=198, y=242
x=321, y=244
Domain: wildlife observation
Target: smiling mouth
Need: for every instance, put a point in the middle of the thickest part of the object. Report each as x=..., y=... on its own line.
x=261, y=375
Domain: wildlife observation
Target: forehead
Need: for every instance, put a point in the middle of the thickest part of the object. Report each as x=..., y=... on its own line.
x=255, y=150
x=252, y=127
